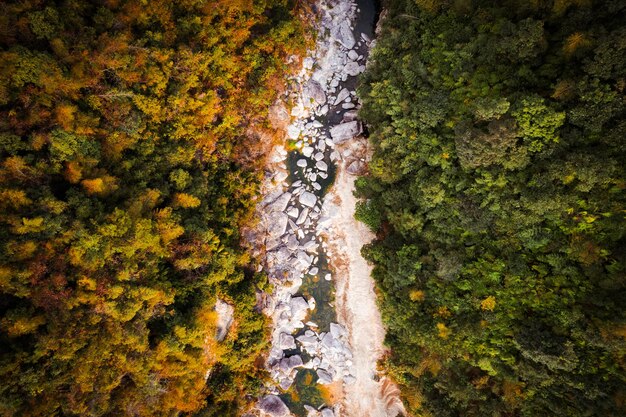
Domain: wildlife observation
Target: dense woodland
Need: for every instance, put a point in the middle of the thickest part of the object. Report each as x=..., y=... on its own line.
x=128, y=163
x=497, y=191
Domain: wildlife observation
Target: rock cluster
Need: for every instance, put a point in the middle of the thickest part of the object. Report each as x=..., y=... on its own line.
x=291, y=214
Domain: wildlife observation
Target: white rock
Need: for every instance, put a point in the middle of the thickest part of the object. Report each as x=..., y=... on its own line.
x=343, y=35
x=344, y=131
x=323, y=377
x=281, y=176
x=301, y=163
x=321, y=165
x=293, y=212
x=309, y=199
x=343, y=94
x=314, y=92
x=274, y=406
x=353, y=55
x=307, y=151
x=327, y=277
x=348, y=106
x=285, y=383
x=337, y=330
x=293, y=132
x=286, y=341
x=319, y=156
x=299, y=308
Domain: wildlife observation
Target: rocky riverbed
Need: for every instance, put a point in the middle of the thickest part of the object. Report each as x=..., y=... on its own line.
x=297, y=225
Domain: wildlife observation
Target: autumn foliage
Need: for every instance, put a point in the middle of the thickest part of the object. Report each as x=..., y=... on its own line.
x=123, y=184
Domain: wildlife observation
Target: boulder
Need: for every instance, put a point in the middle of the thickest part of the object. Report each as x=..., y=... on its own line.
x=285, y=383
x=307, y=340
x=293, y=132
x=314, y=92
x=224, y=318
x=292, y=243
x=273, y=406
x=337, y=330
x=293, y=212
x=280, y=203
x=301, y=163
x=308, y=199
x=303, y=216
x=343, y=94
x=277, y=224
x=343, y=35
x=345, y=131
x=286, y=341
x=323, y=377
x=321, y=165
x=353, y=68
x=299, y=308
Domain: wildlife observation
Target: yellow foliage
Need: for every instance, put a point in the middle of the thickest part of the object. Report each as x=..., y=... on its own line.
x=33, y=225
x=73, y=172
x=488, y=303
x=65, y=115
x=100, y=186
x=186, y=200
x=93, y=186
x=429, y=362
x=22, y=325
x=417, y=295
x=87, y=283
x=443, y=331
x=14, y=198
x=17, y=167
x=574, y=42
x=38, y=141
x=22, y=250
x=443, y=312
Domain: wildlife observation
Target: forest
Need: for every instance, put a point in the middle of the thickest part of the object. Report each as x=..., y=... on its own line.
x=130, y=157
x=496, y=190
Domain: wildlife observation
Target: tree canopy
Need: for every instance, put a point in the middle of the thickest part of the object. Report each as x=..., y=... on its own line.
x=127, y=167
x=496, y=190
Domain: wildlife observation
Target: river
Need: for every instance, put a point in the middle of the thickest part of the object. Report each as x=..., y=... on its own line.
x=327, y=333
